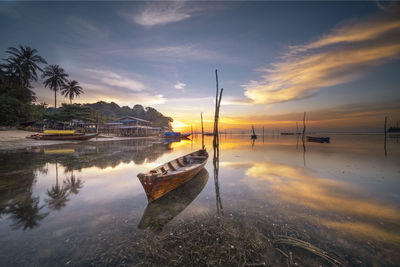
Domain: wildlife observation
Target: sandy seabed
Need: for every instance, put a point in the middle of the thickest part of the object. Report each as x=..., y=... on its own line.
x=16, y=139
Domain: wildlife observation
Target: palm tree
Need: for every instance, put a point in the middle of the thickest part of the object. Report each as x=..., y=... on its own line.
x=72, y=89
x=57, y=79
x=23, y=63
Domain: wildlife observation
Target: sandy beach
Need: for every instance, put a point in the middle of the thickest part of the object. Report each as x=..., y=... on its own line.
x=16, y=139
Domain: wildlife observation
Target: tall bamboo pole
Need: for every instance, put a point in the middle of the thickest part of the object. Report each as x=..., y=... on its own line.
x=202, y=131
x=385, y=127
x=304, y=123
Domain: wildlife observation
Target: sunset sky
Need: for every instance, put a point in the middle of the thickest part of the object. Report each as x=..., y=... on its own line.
x=338, y=61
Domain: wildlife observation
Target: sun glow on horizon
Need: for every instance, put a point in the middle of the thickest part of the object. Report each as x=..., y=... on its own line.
x=179, y=126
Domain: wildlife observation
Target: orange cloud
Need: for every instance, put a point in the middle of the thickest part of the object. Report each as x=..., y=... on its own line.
x=336, y=58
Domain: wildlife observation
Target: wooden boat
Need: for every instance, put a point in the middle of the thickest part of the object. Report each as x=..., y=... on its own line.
x=176, y=135
x=393, y=130
x=159, y=181
x=62, y=136
x=253, y=136
x=159, y=212
x=318, y=139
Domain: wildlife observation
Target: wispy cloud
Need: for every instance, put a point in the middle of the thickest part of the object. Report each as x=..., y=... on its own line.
x=183, y=53
x=180, y=85
x=120, y=87
x=86, y=29
x=336, y=58
x=8, y=10
x=117, y=80
x=98, y=92
x=161, y=13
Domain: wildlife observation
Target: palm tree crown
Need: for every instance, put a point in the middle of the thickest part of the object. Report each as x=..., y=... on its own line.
x=23, y=63
x=56, y=79
x=72, y=89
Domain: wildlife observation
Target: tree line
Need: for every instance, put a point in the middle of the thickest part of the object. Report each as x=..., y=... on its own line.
x=24, y=65
x=17, y=72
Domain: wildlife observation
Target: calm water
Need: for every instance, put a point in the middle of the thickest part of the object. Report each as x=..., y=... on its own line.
x=269, y=203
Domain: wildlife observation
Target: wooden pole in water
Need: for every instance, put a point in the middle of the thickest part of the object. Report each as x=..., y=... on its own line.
x=217, y=107
x=304, y=124
x=202, y=131
x=385, y=126
x=216, y=104
x=297, y=127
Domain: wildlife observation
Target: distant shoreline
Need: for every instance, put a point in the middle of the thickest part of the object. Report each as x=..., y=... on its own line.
x=16, y=139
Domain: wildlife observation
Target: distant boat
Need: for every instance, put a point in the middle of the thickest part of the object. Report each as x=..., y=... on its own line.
x=393, y=130
x=284, y=133
x=161, y=211
x=159, y=181
x=318, y=139
x=253, y=136
x=66, y=135
x=175, y=135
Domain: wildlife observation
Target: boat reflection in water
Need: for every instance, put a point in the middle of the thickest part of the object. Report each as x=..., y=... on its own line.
x=159, y=212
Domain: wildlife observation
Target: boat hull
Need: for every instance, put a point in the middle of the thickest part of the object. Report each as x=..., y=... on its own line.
x=64, y=137
x=318, y=139
x=157, y=186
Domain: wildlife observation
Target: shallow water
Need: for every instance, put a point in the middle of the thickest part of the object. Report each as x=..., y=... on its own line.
x=81, y=204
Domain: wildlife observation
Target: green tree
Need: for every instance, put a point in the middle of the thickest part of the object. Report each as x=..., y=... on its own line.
x=71, y=90
x=69, y=112
x=23, y=63
x=56, y=79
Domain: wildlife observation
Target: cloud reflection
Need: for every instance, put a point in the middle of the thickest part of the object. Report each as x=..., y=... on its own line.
x=296, y=186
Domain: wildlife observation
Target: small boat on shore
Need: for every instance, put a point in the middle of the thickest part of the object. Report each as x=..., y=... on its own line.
x=175, y=135
x=318, y=139
x=67, y=135
x=161, y=180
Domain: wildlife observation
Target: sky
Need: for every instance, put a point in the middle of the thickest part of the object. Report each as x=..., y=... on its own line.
x=337, y=61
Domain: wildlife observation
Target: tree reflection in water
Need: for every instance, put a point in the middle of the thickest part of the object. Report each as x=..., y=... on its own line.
x=25, y=212
x=73, y=184
x=58, y=195
x=220, y=210
x=20, y=169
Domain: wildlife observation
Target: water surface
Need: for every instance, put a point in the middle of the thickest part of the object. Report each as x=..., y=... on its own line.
x=273, y=202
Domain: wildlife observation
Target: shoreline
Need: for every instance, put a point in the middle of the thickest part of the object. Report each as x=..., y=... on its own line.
x=11, y=140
